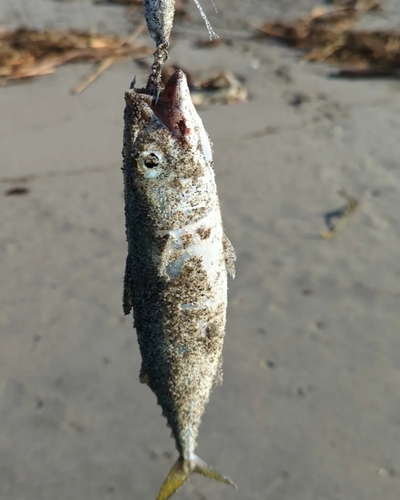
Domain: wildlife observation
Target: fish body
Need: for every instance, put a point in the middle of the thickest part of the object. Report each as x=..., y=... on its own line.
x=178, y=259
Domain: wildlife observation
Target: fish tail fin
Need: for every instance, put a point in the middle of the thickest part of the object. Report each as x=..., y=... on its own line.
x=203, y=468
x=181, y=471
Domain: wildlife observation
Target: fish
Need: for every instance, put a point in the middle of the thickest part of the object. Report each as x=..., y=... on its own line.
x=159, y=15
x=177, y=263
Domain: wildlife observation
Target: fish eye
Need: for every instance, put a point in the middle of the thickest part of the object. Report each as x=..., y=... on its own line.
x=151, y=160
x=150, y=164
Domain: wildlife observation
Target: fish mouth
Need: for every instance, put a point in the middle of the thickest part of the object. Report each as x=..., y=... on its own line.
x=174, y=107
x=175, y=110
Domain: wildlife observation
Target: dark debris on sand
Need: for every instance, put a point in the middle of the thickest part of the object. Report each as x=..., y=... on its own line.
x=27, y=53
x=327, y=34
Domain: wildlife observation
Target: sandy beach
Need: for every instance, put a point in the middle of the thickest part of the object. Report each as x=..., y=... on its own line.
x=310, y=404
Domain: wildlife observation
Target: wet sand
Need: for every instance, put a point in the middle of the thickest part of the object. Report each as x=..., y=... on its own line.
x=310, y=405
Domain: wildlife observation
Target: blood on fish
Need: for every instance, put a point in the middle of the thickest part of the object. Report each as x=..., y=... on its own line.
x=169, y=109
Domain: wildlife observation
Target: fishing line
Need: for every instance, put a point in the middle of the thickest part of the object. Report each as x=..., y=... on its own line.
x=210, y=30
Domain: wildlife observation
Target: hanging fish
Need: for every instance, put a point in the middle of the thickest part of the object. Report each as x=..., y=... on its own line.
x=159, y=16
x=178, y=259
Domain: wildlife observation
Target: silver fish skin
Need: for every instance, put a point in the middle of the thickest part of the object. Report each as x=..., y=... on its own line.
x=178, y=259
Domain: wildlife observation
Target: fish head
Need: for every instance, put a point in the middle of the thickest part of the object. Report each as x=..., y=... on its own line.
x=168, y=155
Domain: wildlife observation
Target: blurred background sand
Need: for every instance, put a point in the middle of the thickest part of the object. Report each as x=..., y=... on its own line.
x=310, y=405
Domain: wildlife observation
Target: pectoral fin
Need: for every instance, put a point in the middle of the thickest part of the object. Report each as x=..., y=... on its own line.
x=230, y=256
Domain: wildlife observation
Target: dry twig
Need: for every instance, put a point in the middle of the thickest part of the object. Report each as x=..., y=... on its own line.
x=327, y=36
x=27, y=53
x=105, y=64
